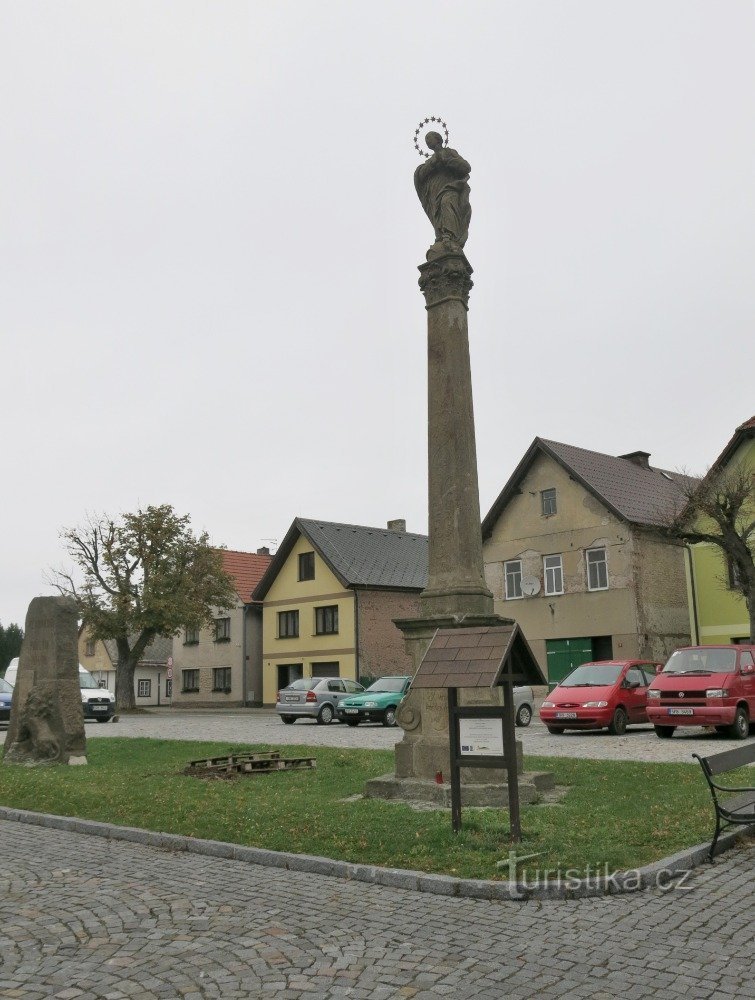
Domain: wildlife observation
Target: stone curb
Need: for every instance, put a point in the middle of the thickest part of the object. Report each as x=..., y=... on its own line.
x=659, y=874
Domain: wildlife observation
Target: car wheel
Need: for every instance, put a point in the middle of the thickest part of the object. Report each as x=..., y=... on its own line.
x=326, y=715
x=664, y=732
x=740, y=728
x=556, y=730
x=389, y=716
x=288, y=719
x=352, y=722
x=618, y=725
x=524, y=715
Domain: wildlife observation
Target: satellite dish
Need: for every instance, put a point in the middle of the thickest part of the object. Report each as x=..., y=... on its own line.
x=530, y=586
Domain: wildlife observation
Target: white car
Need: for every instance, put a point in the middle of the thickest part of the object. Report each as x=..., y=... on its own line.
x=98, y=703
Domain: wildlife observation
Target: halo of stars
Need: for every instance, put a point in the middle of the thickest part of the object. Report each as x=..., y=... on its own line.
x=421, y=128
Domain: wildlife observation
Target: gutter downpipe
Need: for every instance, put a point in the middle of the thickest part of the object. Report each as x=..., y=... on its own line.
x=244, y=679
x=693, y=592
x=356, y=634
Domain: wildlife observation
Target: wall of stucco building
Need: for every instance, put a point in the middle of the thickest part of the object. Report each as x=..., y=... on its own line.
x=661, y=593
x=206, y=655
x=581, y=522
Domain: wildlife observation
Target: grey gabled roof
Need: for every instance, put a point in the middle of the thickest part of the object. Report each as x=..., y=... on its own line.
x=155, y=654
x=359, y=556
x=640, y=495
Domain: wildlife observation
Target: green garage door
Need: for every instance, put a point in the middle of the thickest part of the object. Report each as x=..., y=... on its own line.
x=564, y=655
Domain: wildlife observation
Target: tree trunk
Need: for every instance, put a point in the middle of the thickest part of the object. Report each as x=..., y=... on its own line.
x=124, y=682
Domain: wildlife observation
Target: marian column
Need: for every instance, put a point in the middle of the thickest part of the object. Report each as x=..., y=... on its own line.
x=456, y=582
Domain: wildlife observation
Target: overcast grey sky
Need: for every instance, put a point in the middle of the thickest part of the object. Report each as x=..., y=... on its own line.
x=209, y=242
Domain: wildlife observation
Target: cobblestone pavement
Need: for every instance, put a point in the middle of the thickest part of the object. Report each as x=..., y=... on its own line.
x=85, y=918
x=262, y=726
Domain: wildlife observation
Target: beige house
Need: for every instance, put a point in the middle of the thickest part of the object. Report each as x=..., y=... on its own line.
x=151, y=683
x=329, y=599
x=573, y=551
x=222, y=666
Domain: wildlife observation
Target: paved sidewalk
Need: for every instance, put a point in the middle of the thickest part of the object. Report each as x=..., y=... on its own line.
x=264, y=726
x=85, y=918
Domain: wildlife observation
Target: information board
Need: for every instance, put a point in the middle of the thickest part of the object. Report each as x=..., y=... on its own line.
x=480, y=736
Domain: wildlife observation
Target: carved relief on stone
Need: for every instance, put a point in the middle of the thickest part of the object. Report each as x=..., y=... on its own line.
x=447, y=277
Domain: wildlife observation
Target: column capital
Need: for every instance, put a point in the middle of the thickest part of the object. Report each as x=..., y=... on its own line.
x=446, y=276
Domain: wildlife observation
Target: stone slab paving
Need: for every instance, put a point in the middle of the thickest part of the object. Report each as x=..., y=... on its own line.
x=82, y=918
x=263, y=726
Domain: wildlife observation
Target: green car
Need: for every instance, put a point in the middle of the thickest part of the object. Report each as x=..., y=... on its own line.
x=378, y=703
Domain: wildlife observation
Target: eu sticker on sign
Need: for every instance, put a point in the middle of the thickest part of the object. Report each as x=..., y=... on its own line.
x=480, y=737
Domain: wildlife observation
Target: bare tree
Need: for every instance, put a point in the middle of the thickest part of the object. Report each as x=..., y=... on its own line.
x=721, y=510
x=143, y=575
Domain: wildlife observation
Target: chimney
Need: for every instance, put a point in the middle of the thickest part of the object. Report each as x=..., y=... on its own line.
x=641, y=458
x=263, y=551
x=398, y=524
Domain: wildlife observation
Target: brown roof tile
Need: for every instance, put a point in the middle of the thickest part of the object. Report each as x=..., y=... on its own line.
x=246, y=569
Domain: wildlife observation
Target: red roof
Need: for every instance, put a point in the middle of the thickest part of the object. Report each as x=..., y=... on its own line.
x=246, y=570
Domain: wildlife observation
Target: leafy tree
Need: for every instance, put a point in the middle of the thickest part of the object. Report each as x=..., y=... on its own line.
x=10, y=644
x=141, y=576
x=721, y=510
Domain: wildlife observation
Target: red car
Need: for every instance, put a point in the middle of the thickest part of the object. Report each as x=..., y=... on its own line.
x=611, y=694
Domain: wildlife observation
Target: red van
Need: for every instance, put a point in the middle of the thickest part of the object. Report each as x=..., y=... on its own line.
x=705, y=686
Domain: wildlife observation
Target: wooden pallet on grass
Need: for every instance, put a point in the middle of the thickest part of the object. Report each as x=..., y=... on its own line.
x=252, y=763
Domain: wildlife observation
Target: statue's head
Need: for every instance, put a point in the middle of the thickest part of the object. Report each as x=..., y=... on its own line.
x=434, y=140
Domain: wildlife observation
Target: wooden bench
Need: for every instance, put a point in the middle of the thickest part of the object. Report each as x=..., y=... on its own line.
x=731, y=809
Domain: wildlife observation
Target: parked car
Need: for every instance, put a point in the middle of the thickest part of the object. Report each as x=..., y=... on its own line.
x=705, y=686
x=98, y=703
x=6, y=696
x=377, y=704
x=524, y=705
x=609, y=694
x=314, y=698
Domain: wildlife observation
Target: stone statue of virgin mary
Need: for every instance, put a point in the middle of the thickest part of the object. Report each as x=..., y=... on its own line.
x=441, y=183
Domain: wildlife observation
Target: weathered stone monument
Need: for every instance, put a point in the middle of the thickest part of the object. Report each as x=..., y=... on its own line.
x=456, y=596
x=47, y=719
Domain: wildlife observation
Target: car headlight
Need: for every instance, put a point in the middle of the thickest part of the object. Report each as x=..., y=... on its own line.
x=595, y=704
x=654, y=694
x=370, y=704
x=548, y=704
x=716, y=693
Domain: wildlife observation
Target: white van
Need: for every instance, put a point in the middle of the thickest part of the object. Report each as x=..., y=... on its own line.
x=98, y=703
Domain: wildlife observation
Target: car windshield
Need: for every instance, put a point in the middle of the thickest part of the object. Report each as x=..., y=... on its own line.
x=701, y=661
x=593, y=675
x=86, y=680
x=5, y=687
x=304, y=684
x=388, y=684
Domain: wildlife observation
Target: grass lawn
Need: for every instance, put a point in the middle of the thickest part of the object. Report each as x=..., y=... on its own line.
x=619, y=814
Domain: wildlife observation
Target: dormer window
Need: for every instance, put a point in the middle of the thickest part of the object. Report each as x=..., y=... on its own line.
x=306, y=566
x=548, y=501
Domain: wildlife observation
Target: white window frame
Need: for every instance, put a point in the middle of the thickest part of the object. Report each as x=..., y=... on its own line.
x=589, y=565
x=551, y=491
x=143, y=687
x=507, y=595
x=553, y=573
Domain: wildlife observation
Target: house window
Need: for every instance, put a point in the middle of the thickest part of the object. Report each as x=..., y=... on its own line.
x=169, y=689
x=553, y=571
x=222, y=630
x=597, y=569
x=326, y=620
x=221, y=679
x=190, y=680
x=734, y=576
x=548, y=501
x=513, y=579
x=144, y=689
x=306, y=566
x=288, y=624
x=191, y=637
x=89, y=648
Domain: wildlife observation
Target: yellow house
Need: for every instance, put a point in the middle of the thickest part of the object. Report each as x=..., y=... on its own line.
x=329, y=598
x=718, y=612
x=573, y=551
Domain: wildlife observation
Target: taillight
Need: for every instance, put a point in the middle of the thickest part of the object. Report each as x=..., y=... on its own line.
x=311, y=696
x=278, y=696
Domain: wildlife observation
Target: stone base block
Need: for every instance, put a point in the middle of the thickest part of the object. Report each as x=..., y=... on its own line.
x=388, y=786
